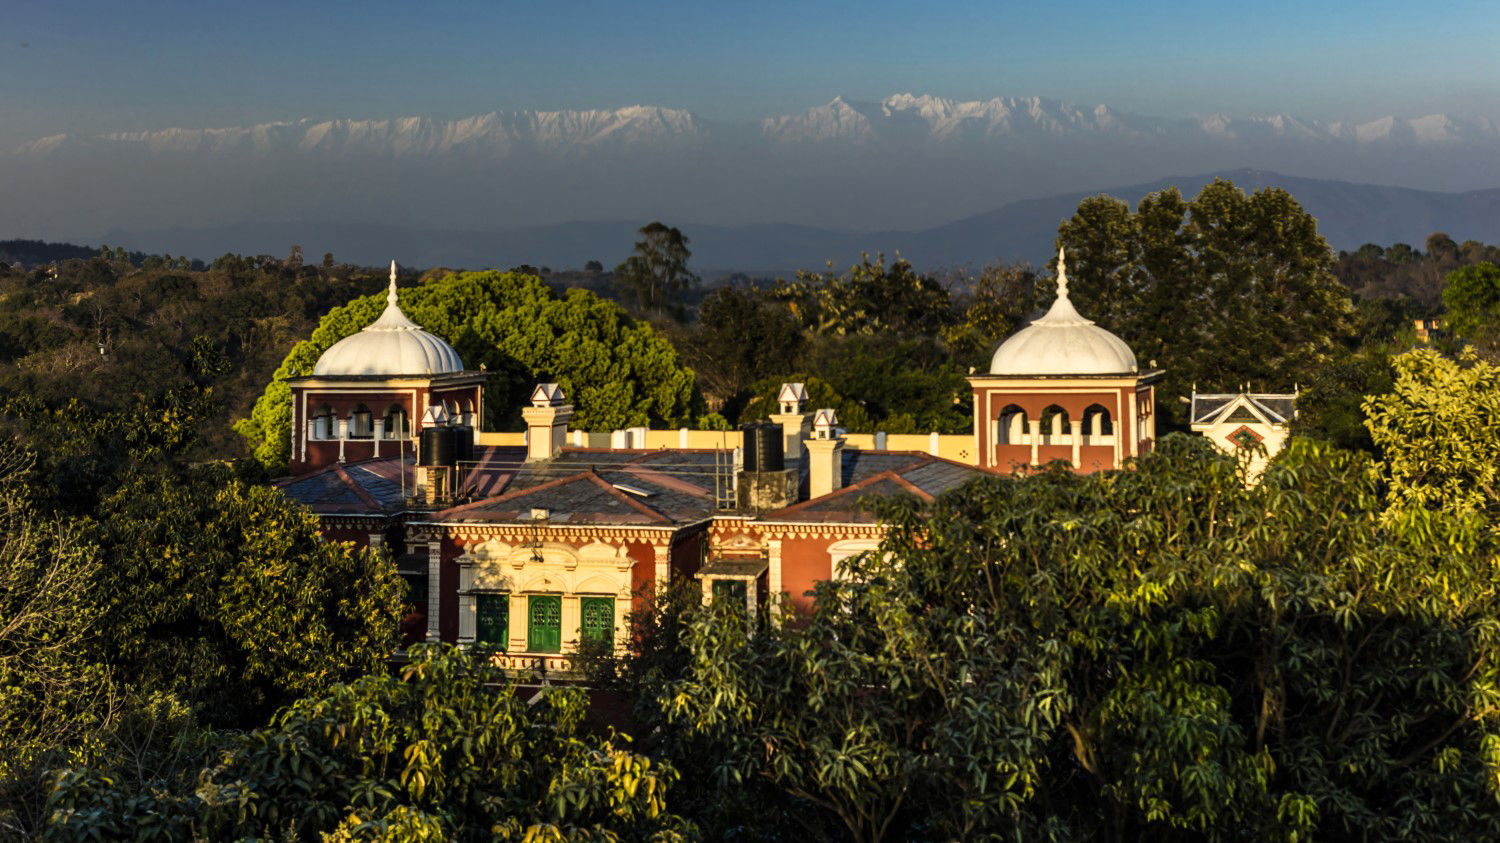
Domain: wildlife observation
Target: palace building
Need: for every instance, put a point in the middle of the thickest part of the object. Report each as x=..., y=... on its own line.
x=539, y=545
x=1062, y=388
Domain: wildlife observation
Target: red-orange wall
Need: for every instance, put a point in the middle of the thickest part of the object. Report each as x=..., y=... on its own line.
x=803, y=563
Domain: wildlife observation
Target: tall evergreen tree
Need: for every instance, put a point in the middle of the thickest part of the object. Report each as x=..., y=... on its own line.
x=656, y=275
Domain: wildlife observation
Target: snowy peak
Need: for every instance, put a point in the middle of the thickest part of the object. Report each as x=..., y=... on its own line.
x=907, y=117
x=900, y=120
x=498, y=132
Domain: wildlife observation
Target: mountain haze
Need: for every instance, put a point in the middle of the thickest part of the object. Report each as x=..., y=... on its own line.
x=1348, y=216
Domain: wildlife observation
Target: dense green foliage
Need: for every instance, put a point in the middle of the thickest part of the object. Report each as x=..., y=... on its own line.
x=889, y=346
x=224, y=594
x=449, y=750
x=117, y=331
x=146, y=600
x=1160, y=652
x=1472, y=298
x=617, y=372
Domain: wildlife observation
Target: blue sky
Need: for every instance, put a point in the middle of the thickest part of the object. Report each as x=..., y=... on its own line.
x=104, y=66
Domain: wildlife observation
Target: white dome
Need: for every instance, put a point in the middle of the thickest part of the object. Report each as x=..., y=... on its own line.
x=391, y=345
x=1063, y=343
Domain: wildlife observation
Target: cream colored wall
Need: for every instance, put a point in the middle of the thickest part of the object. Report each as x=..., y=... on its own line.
x=1273, y=437
x=597, y=569
x=500, y=440
x=958, y=447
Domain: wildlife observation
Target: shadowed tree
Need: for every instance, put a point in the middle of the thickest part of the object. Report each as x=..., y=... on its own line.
x=656, y=276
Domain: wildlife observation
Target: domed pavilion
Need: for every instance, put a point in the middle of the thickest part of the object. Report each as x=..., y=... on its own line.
x=371, y=392
x=1063, y=388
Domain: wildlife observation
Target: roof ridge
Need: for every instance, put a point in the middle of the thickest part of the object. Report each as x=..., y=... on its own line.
x=911, y=487
x=888, y=474
x=514, y=493
x=628, y=498
x=356, y=488
x=298, y=478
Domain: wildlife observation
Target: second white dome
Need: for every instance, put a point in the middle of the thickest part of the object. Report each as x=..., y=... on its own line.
x=1063, y=343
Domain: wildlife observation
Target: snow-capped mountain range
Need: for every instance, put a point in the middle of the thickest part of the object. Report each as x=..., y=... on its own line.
x=904, y=162
x=898, y=120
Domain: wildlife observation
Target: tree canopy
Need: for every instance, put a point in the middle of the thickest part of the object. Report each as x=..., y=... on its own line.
x=656, y=276
x=1158, y=652
x=1221, y=290
x=449, y=750
x=618, y=372
x=1472, y=298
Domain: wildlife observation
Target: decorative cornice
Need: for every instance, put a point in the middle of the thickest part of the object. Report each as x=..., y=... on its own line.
x=523, y=533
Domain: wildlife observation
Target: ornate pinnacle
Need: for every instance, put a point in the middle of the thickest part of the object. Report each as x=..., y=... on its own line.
x=390, y=296
x=1062, y=274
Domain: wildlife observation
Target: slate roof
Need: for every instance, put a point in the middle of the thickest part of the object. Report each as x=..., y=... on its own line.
x=591, y=486
x=878, y=474
x=353, y=490
x=608, y=486
x=1276, y=408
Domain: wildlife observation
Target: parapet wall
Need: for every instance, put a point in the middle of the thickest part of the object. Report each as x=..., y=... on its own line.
x=958, y=447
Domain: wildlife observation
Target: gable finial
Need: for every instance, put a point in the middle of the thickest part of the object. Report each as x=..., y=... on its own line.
x=390, y=296
x=1062, y=274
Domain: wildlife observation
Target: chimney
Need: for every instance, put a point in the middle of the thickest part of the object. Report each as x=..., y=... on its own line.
x=825, y=455
x=546, y=422
x=796, y=423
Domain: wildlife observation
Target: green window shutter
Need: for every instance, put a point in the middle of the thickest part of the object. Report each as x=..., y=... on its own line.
x=732, y=591
x=416, y=591
x=544, y=629
x=598, y=617
x=492, y=620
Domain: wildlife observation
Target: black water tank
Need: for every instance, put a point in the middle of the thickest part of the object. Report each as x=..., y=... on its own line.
x=763, y=449
x=439, y=446
x=463, y=442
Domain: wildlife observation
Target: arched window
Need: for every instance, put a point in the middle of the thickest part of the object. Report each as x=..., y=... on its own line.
x=1097, y=425
x=325, y=425
x=1055, y=430
x=468, y=411
x=1012, y=426
x=397, y=425
x=361, y=423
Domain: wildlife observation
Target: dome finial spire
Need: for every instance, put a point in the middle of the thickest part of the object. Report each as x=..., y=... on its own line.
x=390, y=296
x=1062, y=274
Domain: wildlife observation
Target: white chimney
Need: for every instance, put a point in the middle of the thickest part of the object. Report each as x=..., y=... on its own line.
x=825, y=455
x=546, y=421
x=794, y=420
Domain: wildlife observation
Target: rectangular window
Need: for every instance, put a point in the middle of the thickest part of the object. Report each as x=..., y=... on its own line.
x=492, y=620
x=598, y=619
x=414, y=611
x=544, y=626
x=732, y=591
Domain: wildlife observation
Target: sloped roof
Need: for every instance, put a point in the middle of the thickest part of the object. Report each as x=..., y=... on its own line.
x=1210, y=408
x=878, y=474
x=608, y=486
x=639, y=487
x=340, y=490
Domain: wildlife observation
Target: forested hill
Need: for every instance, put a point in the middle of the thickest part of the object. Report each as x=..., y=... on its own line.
x=33, y=252
x=113, y=332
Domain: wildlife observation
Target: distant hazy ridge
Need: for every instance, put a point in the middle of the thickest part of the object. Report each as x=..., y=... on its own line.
x=1348, y=215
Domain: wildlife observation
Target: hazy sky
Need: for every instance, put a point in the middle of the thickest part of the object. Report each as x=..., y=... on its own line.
x=105, y=66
